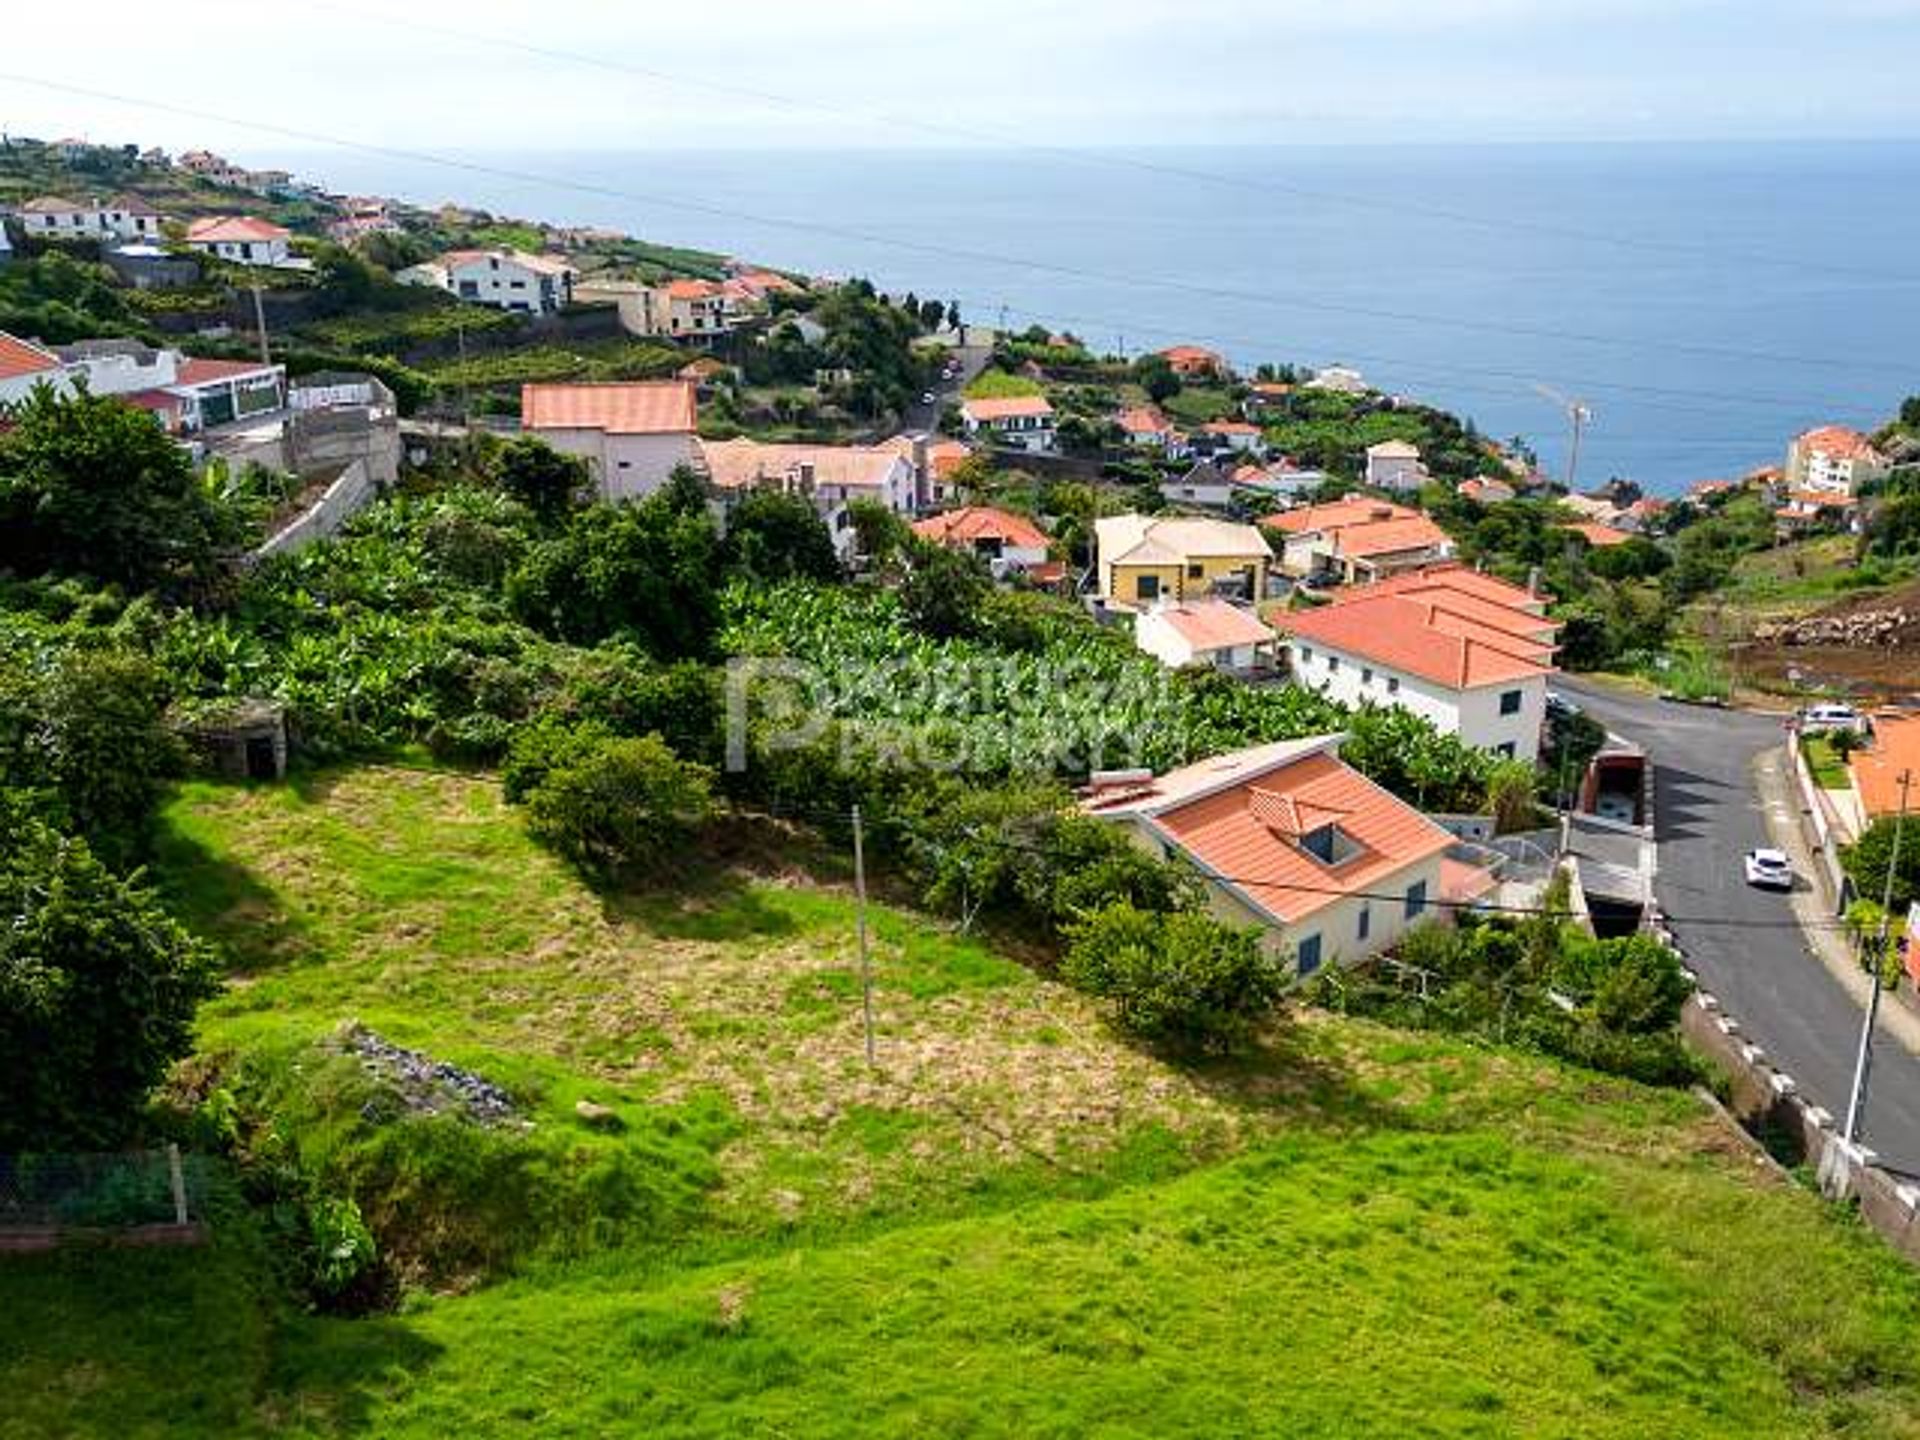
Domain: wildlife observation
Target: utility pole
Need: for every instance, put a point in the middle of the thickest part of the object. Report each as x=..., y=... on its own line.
x=1578, y=416
x=860, y=923
x=1863, y=1062
x=260, y=326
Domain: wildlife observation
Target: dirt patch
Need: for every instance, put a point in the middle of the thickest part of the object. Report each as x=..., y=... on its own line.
x=1866, y=647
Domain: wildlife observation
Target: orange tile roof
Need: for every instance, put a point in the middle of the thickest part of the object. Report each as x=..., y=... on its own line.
x=1596, y=534
x=1005, y=407
x=1143, y=420
x=643, y=407
x=1246, y=832
x=231, y=229
x=1192, y=357
x=205, y=372
x=19, y=358
x=1389, y=537
x=1353, y=510
x=981, y=522
x=944, y=455
x=691, y=290
x=1839, y=442
x=1465, y=592
x=1230, y=427
x=1215, y=624
x=1422, y=637
x=1877, y=770
x=739, y=464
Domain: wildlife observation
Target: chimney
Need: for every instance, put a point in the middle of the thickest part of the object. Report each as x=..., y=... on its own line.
x=1533, y=582
x=922, y=473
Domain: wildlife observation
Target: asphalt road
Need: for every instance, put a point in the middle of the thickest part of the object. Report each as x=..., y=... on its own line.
x=1743, y=942
x=971, y=360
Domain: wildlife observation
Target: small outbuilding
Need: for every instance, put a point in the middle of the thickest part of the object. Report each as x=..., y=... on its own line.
x=243, y=739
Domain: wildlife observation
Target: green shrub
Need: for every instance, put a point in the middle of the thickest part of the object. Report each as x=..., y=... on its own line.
x=342, y=1248
x=620, y=805
x=1186, y=979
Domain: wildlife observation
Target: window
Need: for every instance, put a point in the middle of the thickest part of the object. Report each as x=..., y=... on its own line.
x=1306, y=654
x=1393, y=685
x=1319, y=843
x=1147, y=587
x=1333, y=663
x=1365, y=924
x=1416, y=899
x=1504, y=750
x=1196, y=572
x=1307, y=954
x=1510, y=702
x=1366, y=674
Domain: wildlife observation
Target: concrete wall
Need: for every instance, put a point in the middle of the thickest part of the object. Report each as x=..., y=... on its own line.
x=340, y=502
x=1820, y=830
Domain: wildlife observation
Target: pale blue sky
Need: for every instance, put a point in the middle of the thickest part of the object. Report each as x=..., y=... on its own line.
x=1121, y=71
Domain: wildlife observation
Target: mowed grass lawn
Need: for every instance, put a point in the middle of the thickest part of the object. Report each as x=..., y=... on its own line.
x=1016, y=1226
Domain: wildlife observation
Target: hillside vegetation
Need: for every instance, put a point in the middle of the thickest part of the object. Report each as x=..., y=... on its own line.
x=1014, y=1225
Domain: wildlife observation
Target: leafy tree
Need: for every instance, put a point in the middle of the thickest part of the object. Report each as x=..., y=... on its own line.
x=1631, y=984
x=1183, y=978
x=540, y=477
x=1910, y=412
x=1156, y=376
x=1510, y=795
x=646, y=570
x=619, y=806
x=98, y=986
x=1638, y=559
x=878, y=531
x=1867, y=859
x=685, y=493
x=90, y=485
x=1895, y=528
x=944, y=590
x=773, y=536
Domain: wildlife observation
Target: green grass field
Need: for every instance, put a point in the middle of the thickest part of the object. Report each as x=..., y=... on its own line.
x=1016, y=1225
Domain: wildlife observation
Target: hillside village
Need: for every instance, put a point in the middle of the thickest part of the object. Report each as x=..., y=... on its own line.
x=492, y=668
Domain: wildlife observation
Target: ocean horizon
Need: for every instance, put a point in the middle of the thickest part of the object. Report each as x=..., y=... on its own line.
x=1706, y=300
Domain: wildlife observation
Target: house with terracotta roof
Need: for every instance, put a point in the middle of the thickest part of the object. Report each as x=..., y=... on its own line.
x=1195, y=362
x=1441, y=645
x=1145, y=425
x=505, y=279
x=1596, y=533
x=1395, y=465
x=688, y=309
x=1357, y=539
x=632, y=434
x=123, y=217
x=935, y=459
x=1140, y=559
x=1875, y=770
x=190, y=396
x=1289, y=837
x=1803, y=510
x=1006, y=541
x=1833, y=460
x=24, y=366
x=1238, y=437
x=1014, y=422
x=830, y=477
x=241, y=239
x=1208, y=631
x=1485, y=490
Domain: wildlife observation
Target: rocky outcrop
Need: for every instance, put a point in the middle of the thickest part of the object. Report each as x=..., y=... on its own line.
x=429, y=1086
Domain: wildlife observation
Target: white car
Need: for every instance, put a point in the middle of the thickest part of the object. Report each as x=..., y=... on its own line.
x=927, y=398
x=1830, y=717
x=1769, y=869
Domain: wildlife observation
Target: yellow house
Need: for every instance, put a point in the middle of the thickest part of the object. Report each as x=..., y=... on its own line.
x=1140, y=559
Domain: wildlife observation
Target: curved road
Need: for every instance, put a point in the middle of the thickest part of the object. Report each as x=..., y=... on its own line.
x=1743, y=942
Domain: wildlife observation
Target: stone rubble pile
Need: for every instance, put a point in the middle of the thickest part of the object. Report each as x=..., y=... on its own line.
x=429, y=1086
x=1863, y=629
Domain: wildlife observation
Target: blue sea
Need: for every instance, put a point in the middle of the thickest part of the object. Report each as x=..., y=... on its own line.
x=1704, y=301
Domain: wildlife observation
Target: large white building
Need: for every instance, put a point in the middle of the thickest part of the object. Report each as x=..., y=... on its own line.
x=505, y=279
x=1470, y=653
x=1395, y=465
x=1288, y=837
x=124, y=217
x=1016, y=422
x=1834, y=461
x=187, y=395
x=1206, y=631
x=631, y=435
x=242, y=239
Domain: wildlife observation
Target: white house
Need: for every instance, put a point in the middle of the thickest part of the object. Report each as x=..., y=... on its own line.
x=1204, y=487
x=242, y=239
x=187, y=395
x=505, y=279
x=1440, y=647
x=124, y=217
x=1145, y=425
x=1242, y=437
x=1017, y=422
x=631, y=434
x=1006, y=541
x=25, y=365
x=1341, y=379
x=829, y=476
x=1833, y=460
x=1288, y=837
x=1206, y=631
x=1395, y=465
x=1357, y=539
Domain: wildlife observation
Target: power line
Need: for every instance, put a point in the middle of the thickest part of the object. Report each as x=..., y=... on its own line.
x=951, y=252
x=1108, y=159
